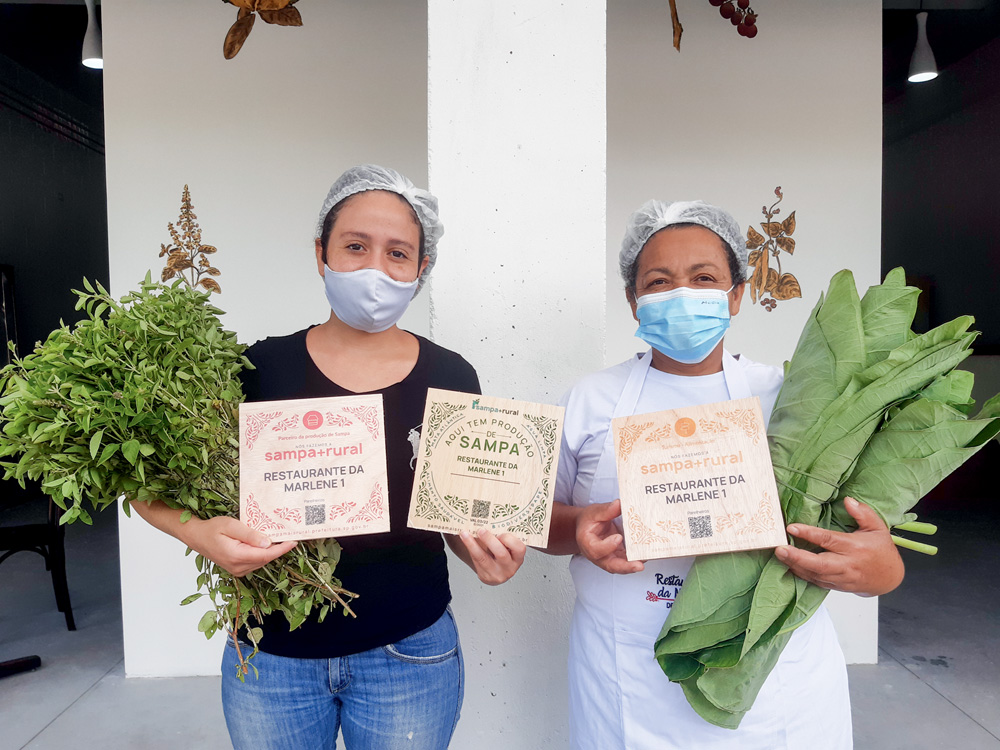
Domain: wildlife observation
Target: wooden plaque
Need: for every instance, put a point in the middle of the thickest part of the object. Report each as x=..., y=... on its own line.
x=486, y=463
x=696, y=481
x=314, y=468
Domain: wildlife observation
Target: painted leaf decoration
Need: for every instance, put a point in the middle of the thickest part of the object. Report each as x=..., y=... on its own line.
x=759, y=274
x=213, y=271
x=284, y=17
x=788, y=225
x=164, y=249
x=238, y=34
x=167, y=274
x=772, y=228
x=772, y=281
x=786, y=243
x=754, y=258
x=207, y=249
x=754, y=238
x=179, y=261
x=243, y=5
x=786, y=287
x=211, y=285
x=271, y=5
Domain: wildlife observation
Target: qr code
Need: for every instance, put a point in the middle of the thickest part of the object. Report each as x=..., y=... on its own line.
x=480, y=508
x=700, y=526
x=315, y=514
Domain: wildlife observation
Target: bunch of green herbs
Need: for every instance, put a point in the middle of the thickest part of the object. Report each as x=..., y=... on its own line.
x=139, y=401
x=868, y=410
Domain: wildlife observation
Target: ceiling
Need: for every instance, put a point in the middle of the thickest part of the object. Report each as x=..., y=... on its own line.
x=46, y=38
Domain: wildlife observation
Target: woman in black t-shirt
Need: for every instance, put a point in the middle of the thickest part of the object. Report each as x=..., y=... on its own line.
x=392, y=677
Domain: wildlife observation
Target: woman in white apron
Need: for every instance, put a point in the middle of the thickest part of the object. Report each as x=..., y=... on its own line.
x=683, y=285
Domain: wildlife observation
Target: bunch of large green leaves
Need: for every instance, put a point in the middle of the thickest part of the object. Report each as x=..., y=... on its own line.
x=869, y=410
x=139, y=401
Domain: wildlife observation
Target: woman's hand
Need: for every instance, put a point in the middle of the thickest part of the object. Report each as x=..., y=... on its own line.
x=231, y=544
x=494, y=558
x=599, y=539
x=228, y=542
x=864, y=561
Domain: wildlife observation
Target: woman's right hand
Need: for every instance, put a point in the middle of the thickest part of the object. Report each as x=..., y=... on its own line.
x=231, y=544
x=599, y=539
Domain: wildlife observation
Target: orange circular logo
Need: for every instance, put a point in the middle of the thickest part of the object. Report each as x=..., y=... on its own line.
x=685, y=427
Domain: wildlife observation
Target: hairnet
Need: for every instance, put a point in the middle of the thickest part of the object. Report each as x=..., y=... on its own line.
x=655, y=215
x=372, y=177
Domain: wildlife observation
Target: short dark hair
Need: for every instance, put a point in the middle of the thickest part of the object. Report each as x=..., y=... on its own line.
x=331, y=218
x=735, y=272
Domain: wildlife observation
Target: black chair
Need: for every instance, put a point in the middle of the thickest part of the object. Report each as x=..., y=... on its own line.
x=47, y=540
x=44, y=538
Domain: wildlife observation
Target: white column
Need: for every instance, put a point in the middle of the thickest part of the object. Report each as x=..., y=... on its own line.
x=517, y=151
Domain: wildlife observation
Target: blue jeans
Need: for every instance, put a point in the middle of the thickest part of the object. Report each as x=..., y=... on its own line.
x=404, y=695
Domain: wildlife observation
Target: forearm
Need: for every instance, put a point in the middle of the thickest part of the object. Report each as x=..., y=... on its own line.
x=460, y=550
x=168, y=520
x=562, y=530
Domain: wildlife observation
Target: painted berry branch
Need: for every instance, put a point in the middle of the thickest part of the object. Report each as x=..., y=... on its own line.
x=737, y=12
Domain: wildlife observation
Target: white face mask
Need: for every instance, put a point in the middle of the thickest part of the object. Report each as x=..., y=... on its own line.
x=367, y=299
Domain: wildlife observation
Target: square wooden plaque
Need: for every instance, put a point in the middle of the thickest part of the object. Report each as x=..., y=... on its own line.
x=486, y=463
x=314, y=468
x=696, y=481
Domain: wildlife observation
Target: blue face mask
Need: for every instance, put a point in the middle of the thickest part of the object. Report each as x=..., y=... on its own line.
x=684, y=324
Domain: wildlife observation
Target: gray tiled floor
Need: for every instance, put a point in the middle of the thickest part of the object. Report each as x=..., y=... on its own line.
x=80, y=697
x=937, y=684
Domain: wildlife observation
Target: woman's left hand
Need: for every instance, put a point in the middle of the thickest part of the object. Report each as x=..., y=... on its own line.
x=864, y=561
x=494, y=558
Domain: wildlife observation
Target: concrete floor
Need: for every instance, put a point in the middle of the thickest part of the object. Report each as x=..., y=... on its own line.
x=937, y=684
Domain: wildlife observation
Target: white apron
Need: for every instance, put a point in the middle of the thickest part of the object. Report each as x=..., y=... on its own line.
x=619, y=696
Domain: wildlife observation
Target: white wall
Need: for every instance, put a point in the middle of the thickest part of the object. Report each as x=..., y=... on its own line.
x=726, y=120
x=259, y=139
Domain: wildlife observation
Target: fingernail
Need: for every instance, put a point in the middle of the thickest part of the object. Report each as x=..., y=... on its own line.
x=851, y=501
x=465, y=535
x=781, y=553
x=793, y=529
x=264, y=542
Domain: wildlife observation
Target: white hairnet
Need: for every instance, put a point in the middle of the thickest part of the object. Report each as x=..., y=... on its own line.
x=655, y=215
x=373, y=177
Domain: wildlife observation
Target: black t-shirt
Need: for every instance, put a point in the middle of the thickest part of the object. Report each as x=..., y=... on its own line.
x=402, y=575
